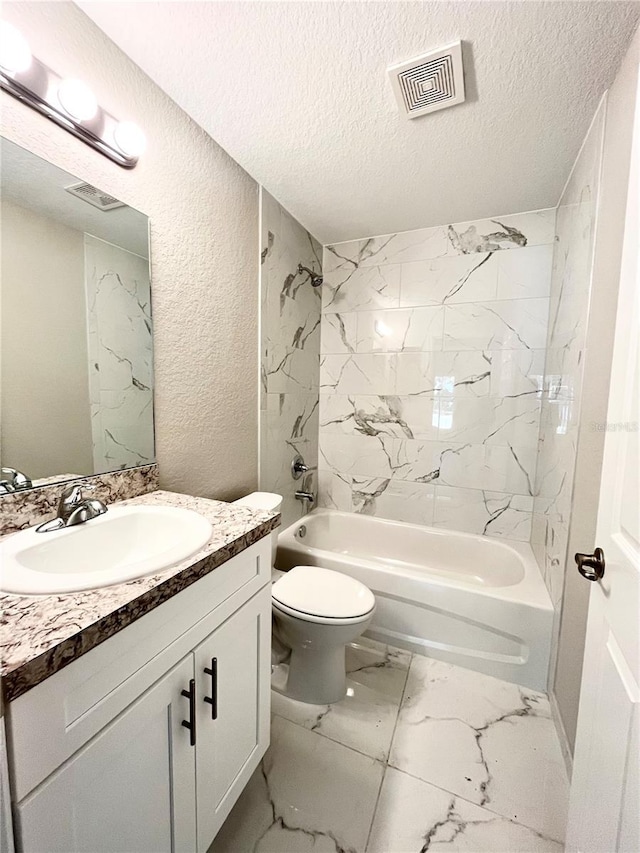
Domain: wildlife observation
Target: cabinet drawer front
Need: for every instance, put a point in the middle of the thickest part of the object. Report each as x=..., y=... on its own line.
x=49, y=723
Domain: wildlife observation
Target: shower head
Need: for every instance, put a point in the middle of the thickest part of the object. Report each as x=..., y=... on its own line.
x=316, y=280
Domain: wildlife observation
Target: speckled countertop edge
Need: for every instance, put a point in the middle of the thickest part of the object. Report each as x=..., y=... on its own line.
x=41, y=635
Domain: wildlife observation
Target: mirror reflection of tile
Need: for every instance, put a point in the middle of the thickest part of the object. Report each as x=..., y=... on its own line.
x=77, y=349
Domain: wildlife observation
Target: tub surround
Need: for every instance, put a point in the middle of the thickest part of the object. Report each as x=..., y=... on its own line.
x=571, y=283
x=575, y=336
x=567, y=342
x=290, y=354
x=25, y=509
x=43, y=634
x=431, y=373
x=455, y=596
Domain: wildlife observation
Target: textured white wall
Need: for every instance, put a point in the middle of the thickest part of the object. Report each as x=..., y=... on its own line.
x=46, y=427
x=204, y=249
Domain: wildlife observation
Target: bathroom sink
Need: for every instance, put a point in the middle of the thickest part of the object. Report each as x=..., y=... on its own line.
x=123, y=544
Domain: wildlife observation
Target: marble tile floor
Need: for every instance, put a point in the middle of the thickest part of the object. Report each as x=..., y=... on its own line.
x=420, y=756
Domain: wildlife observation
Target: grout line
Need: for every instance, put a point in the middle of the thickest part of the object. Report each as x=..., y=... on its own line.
x=386, y=762
x=375, y=808
x=333, y=740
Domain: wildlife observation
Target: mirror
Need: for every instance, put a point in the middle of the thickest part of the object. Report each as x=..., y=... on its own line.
x=76, y=354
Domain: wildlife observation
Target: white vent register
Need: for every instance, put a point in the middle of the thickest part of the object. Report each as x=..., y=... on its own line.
x=429, y=82
x=98, y=198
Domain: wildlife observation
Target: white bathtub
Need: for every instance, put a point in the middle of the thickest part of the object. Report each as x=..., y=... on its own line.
x=458, y=597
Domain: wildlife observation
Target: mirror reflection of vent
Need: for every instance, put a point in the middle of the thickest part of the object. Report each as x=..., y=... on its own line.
x=92, y=195
x=429, y=82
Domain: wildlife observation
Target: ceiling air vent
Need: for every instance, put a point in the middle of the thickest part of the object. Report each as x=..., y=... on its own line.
x=91, y=194
x=429, y=82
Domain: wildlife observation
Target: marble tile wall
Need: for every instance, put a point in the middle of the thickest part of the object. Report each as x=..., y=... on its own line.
x=571, y=281
x=290, y=355
x=431, y=373
x=120, y=351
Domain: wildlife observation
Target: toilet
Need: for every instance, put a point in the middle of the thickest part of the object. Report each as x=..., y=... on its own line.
x=316, y=613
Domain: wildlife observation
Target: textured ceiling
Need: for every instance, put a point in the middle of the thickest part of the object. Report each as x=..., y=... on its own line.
x=298, y=94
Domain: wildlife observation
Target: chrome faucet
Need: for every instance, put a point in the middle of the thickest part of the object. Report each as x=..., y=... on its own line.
x=307, y=499
x=14, y=481
x=74, y=509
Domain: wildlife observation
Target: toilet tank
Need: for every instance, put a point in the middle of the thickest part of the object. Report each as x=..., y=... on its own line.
x=269, y=502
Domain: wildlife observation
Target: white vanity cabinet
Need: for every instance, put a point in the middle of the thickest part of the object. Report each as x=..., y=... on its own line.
x=131, y=788
x=144, y=782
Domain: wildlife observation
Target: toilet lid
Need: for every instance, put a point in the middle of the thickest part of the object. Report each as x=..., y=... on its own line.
x=322, y=592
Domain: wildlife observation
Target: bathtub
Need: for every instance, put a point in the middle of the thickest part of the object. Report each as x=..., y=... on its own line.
x=466, y=599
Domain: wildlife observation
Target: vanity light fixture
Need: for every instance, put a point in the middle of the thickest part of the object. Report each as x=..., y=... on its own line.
x=129, y=138
x=77, y=100
x=69, y=102
x=15, y=55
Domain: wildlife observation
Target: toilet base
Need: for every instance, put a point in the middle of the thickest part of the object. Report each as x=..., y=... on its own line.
x=310, y=676
x=280, y=652
x=316, y=670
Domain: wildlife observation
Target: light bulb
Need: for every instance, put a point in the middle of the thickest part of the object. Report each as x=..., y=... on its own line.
x=77, y=99
x=129, y=138
x=15, y=55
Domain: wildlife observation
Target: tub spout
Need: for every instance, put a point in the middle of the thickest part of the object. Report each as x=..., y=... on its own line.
x=307, y=499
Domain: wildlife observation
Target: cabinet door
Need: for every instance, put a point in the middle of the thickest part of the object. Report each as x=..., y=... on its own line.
x=129, y=790
x=231, y=745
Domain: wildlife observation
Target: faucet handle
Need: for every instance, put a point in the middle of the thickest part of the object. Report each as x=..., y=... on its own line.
x=17, y=479
x=298, y=467
x=70, y=498
x=78, y=488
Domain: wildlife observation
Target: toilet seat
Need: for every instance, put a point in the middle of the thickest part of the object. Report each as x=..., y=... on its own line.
x=322, y=596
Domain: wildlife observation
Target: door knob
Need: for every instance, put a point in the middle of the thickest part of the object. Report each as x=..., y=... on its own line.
x=591, y=566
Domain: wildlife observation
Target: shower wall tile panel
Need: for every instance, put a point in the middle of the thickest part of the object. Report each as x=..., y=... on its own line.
x=566, y=343
x=431, y=373
x=290, y=354
x=120, y=351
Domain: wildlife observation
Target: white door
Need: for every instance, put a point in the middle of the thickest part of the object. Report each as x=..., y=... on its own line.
x=233, y=670
x=129, y=790
x=604, y=812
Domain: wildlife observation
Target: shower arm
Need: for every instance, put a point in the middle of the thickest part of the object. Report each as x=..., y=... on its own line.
x=316, y=280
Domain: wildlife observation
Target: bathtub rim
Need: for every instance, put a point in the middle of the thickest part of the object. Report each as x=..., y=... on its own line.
x=530, y=589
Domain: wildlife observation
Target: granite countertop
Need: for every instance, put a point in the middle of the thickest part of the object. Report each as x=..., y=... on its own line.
x=40, y=635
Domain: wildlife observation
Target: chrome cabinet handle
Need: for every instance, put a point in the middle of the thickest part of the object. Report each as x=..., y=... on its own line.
x=190, y=724
x=591, y=566
x=213, y=699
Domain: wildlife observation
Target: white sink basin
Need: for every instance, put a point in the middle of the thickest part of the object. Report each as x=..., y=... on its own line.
x=123, y=544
